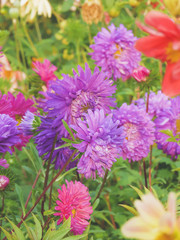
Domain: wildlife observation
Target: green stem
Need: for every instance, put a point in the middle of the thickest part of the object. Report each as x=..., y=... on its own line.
x=78, y=52
x=102, y=185
x=16, y=41
x=38, y=30
x=2, y=208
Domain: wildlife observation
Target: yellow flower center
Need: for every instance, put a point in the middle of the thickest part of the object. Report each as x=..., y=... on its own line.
x=74, y=212
x=165, y=236
x=18, y=119
x=173, y=55
x=118, y=52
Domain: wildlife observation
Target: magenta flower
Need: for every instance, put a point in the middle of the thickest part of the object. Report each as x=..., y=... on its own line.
x=138, y=130
x=140, y=74
x=114, y=52
x=3, y=163
x=101, y=145
x=71, y=97
x=45, y=70
x=74, y=202
x=4, y=182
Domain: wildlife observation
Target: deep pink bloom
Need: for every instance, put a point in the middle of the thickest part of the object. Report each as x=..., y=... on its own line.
x=140, y=74
x=3, y=163
x=4, y=182
x=74, y=202
x=45, y=70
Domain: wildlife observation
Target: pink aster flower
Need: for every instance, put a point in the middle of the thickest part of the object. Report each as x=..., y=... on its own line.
x=45, y=70
x=74, y=202
x=3, y=163
x=154, y=222
x=140, y=74
x=4, y=182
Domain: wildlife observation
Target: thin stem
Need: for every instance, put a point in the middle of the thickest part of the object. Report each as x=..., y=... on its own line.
x=2, y=208
x=110, y=209
x=47, y=174
x=33, y=186
x=150, y=165
x=50, y=195
x=145, y=175
x=102, y=185
x=38, y=29
x=89, y=35
x=48, y=186
x=16, y=41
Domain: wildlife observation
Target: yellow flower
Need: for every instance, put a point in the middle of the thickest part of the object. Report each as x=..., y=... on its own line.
x=154, y=221
x=173, y=6
x=92, y=11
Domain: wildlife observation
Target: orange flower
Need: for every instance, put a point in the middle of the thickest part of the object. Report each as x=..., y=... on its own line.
x=163, y=43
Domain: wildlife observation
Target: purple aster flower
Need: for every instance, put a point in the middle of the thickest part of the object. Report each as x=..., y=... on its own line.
x=102, y=140
x=3, y=163
x=71, y=97
x=114, y=52
x=44, y=140
x=138, y=130
x=8, y=133
x=157, y=102
x=26, y=123
x=169, y=119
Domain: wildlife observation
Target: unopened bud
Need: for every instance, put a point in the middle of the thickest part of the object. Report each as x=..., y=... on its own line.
x=140, y=73
x=4, y=182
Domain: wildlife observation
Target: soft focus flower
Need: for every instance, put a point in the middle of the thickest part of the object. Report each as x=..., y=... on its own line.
x=140, y=74
x=107, y=18
x=4, y=182
x=102, y=141
x=33, y=8
x=163, y=43
x=45, y=70
x=16, y=107
x=157, y=102
x=71, y=97
x=92, y=11
x=114, y=52
x=3, y=163
x=138, y=130
x=154, y=222
x=173, y=6
x=8, y=133
x=74, y=202
x=45, y=139
x=169, y=118
x=76, y=4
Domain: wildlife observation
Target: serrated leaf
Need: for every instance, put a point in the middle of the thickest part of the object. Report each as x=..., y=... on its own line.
x=18, y=231
x=139, y=192
x=28, y=231
x=8, y=235
x=48, y=212
x=38, y=228
x=130, y=209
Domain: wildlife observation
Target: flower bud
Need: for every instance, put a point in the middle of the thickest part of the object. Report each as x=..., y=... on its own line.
x=140, y=73
x=4, y=182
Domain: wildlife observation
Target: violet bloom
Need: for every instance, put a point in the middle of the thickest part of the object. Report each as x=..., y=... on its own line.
x=74, y=202
x=3, y=163
x=45, y=70
x=45, y=139
x=169, y=119
x=26, y=125
x=101, y=143
x=157, y=102
x=8, y=133
x=138, y=130
x=71, y=97
x=114, y=52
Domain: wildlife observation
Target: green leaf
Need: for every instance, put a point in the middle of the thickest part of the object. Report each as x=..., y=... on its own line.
x=167, y=132
x=77, y=237
x=67, y=172
x=8, y=235
x=130, y=209
x=96, y=204
x=18, y=232
x=28, y=231
x=38, y=228
x=3, y=36
x=171, y=139
x=66, y=5
x=21, y=199
x=63, y=146
x=68, y=129
x=139, y=192
x=49, y=212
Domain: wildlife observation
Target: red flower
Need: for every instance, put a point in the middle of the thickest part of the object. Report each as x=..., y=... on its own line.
x=163, y=43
